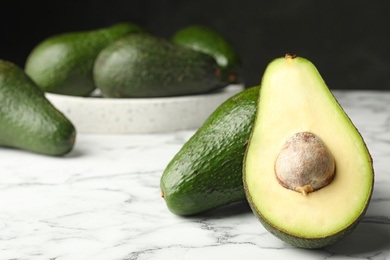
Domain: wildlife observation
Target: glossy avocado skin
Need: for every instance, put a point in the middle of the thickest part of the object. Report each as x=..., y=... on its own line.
x=205, y=39
x=28, y=120
x=62, y=64
x=207, y=172
x=144, y=65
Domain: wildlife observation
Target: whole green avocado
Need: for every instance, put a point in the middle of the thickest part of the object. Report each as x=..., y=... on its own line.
x=28, y=120
x=207, y=171
x=210, y=41
x=144, y=65
x=62, y=63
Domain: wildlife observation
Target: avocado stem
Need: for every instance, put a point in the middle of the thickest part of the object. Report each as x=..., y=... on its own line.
x=305, y=189
x=290, y=56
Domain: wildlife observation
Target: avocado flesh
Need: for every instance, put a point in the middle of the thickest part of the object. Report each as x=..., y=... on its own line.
x=294, y=98
x=28, y=120
x=207, y=171
x=63, y=63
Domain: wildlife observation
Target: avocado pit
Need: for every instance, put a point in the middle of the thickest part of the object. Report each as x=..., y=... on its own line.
x=304, y=164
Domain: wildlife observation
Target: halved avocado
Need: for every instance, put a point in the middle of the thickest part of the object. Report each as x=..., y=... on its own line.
x=300, y=120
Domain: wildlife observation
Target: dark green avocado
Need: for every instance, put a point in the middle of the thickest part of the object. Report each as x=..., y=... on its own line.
x=144, y=65
x=62, y=63
x=28, y=120
x=205, y=39
x=207, y=171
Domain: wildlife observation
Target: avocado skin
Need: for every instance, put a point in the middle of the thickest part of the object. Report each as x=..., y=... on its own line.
x=28, y=120
x=63, y=63
x=207, y=172
x=207, y=40
x=144, y=65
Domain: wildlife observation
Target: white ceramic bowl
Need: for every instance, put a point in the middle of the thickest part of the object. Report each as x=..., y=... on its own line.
x=140, y=115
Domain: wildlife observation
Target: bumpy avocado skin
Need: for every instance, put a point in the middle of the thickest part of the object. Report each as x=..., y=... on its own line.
x=63, y=63
x=28, y=120
x=205, y=39
x=207, y=172
x=144, y=65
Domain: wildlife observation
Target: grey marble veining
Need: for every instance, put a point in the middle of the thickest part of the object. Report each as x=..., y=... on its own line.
x=102, y=201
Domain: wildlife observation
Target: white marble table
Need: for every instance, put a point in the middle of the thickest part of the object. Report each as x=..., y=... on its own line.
x=102, y=201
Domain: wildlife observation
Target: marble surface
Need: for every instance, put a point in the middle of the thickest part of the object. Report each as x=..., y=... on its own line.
x=102, y=201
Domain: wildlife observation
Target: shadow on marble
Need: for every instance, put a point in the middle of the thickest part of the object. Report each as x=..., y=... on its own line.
x=232, y=210
x=76, y=152
x=22, y=152
x=370, y=236
x=72, y=154
x=365, y=239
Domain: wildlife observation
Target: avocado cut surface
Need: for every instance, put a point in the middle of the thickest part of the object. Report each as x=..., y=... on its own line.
x=205, y=39
x=142, y=65
x=295, y=99
x=207, y=171
x=28, y=120
x=63, y=63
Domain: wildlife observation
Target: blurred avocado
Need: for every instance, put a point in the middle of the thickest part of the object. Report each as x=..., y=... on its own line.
x=28, y=120
x=62, y=63
x=144, y=65
x=205, y=39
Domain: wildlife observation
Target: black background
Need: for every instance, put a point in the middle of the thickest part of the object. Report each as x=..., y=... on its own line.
x=348, y=41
